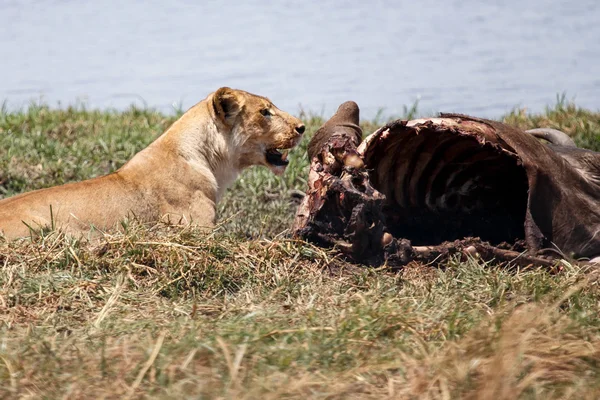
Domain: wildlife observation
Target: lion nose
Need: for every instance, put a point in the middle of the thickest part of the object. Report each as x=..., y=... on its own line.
x=300, y=129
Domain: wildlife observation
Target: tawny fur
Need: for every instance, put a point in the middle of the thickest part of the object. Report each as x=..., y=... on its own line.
x=180, y=177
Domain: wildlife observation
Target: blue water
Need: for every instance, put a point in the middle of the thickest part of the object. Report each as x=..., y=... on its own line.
x=480, y=57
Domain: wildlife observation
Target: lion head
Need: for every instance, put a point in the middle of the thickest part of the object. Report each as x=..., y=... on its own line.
x=263, y=134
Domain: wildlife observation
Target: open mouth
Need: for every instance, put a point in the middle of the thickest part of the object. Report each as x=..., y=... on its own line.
x=277, y=157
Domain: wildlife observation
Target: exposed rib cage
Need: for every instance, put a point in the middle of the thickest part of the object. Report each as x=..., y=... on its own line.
x=449, y=184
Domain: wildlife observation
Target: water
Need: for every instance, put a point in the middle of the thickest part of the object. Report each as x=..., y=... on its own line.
x=473, y=56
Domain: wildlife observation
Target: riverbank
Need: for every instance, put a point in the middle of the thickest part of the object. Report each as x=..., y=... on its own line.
x=247, y=312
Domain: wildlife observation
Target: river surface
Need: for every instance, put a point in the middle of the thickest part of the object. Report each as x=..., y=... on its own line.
x=472, y=56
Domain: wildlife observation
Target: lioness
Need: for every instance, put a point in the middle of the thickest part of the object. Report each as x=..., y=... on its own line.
x=180, y=176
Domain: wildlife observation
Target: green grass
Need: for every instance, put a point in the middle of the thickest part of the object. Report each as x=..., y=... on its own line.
x=247, y=312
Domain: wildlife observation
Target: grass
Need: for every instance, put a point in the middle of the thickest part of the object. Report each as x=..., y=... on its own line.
x=247, y=312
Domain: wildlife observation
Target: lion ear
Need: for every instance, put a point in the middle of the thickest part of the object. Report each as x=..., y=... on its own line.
x=226, y=104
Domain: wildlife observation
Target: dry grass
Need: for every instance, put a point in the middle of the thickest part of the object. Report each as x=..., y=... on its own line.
x=246, y=313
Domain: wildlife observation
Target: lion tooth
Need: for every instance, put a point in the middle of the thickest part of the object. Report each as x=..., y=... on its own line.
x=284, y=155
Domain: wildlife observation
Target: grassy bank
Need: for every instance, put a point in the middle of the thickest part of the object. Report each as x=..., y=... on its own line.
x=246, y=312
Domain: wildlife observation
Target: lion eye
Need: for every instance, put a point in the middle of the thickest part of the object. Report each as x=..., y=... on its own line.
x=265, y=112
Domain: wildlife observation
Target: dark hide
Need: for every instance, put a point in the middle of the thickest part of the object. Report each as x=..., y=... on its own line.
x=429, y=188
